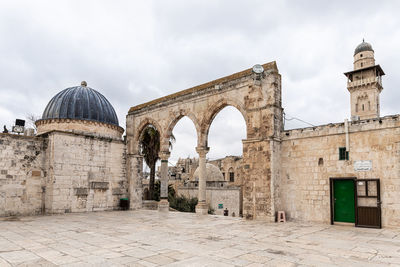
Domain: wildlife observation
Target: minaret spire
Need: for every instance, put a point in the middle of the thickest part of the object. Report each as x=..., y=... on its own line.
x=364, y=83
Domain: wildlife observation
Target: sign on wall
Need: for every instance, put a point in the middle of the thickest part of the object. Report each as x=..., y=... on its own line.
x=363, y=165
x=220, y=206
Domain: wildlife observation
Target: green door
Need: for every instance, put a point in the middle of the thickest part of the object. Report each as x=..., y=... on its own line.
x=343, y=195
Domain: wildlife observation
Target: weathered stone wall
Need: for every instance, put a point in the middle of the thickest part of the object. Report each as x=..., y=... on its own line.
x=22, y=175
x=228, y=197
x=256, y=96
x=86, y=173
x=87, y=127
x=230, y=164
x=310, y=157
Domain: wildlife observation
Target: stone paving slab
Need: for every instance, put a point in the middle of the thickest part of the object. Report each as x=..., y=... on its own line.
x=150, y=238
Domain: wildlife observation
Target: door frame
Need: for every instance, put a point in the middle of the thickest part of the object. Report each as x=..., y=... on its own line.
x=331, y=187
x=378, y=204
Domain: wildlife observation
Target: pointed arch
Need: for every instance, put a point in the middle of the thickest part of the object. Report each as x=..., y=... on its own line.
x=212, y=113
x=176, y=116
x=143, y=124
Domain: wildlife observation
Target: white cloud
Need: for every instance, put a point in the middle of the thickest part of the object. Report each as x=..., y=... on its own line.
x=135, y=51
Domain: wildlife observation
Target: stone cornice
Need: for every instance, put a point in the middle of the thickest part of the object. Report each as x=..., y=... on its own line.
x=366, y=125
x=91, y=122
x=82, y=134
x=21, y=136
x=238, y=75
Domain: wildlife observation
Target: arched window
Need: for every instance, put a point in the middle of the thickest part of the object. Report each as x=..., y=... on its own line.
x=231, y=175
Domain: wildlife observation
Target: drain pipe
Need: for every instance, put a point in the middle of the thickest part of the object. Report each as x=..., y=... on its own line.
x=346, y=130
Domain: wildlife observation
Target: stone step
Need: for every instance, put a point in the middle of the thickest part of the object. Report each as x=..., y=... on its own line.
x=150, y=205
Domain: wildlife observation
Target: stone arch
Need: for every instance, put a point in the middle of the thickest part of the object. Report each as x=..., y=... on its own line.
x=176, y=116
x=143, y=124
x=212, y=113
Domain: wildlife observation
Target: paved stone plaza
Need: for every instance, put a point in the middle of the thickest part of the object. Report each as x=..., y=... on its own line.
x=151, y=238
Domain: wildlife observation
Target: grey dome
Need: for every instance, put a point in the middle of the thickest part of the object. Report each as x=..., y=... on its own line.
x=80, y=102
x=213, y=174
x=364, y=46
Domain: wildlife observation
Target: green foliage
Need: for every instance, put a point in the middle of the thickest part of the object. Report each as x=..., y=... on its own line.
x=180, y=203
x=150, y=147
x=157, y=190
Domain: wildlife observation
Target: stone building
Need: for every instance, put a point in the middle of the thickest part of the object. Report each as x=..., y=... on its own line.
x=231, y=168
x=184, y=169
x=345, y=172
x=75, y=163
x=340, y=172
x=220, y=194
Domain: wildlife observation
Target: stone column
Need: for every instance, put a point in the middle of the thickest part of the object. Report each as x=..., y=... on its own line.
x=163, y=205
x=202, y=207
x=134, y=173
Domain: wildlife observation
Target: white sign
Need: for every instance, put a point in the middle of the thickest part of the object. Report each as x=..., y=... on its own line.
x=363, y=165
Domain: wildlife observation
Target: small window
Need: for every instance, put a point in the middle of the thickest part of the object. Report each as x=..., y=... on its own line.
x=231, y=176
x=361, y=64
x=360, y=55
x=343, y=154
x=363, y=107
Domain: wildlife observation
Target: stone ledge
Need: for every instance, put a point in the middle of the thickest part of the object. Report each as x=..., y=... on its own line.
x=99, y=185
x=267, y=66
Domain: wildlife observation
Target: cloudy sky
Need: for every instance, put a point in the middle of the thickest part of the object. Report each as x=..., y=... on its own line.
x=135, y=51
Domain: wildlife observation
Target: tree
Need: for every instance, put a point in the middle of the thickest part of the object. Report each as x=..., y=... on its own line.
x=31, y=119
x=150, y=148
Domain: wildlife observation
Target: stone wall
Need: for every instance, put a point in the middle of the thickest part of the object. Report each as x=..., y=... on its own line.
x=230, y=164
x=228, y=197
x=22, y=175
x=86, y=173
x=309, y=157
x=87, y=127
x=256, y=96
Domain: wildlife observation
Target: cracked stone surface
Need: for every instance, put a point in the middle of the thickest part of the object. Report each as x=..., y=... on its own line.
x=150, y=238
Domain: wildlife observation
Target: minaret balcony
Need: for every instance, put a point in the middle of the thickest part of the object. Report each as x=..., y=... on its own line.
x=366, y=81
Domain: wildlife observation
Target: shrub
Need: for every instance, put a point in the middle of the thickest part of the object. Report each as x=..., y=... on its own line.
x=180, y=203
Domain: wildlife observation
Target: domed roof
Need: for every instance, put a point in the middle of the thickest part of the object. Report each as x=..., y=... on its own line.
x=213, y=173
x=364, y=46
x=80, y=102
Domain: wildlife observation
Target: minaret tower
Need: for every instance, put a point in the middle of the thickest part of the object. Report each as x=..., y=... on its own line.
x=364, y=84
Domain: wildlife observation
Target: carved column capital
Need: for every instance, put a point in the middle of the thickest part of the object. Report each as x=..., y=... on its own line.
x=164, y=155
x=202, y=150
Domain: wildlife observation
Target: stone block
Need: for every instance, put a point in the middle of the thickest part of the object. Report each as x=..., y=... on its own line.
x=99, y=185
x=36, y=173
x=81, y=191
x=117, y=191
